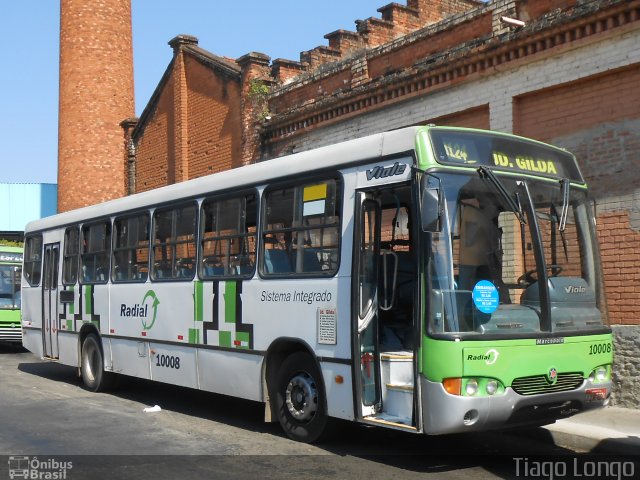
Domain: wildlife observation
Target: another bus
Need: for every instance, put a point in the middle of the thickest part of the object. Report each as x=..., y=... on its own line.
x=10, y=295
x=429, y=279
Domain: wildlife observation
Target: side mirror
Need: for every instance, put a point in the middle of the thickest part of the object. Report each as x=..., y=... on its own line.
x=430, y=206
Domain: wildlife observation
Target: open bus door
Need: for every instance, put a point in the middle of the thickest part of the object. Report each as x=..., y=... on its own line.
x=367, y=257
x=384, y=287
x=50, y=300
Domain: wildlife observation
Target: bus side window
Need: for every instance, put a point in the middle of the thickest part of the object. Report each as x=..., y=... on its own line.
x=174, y=242
x=300, y=233
x=95, y=252
x=33, y=260
x=71, y=256
x=131, y=249
x=228, y=237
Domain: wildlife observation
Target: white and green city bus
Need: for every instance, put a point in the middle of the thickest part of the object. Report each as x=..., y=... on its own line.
x=10, y=280
x=429, y=279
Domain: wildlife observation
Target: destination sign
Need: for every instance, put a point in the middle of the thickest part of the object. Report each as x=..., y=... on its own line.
x=10, y=257
x=472, y=149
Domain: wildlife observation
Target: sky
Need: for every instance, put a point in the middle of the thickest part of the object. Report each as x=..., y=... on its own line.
x=29, y=73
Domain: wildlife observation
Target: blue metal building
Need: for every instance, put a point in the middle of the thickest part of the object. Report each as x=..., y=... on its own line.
x=22, y=202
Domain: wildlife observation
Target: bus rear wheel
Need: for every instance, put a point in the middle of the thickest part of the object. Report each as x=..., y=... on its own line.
x=92, y=366
x=300, y=399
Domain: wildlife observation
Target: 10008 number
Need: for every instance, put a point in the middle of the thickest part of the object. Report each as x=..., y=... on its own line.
x=599, y=348
x=168, y=361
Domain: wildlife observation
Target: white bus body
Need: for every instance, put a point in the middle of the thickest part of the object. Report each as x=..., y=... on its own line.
x=162, y=330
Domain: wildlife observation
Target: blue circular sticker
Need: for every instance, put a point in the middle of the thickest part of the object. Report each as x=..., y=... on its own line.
x=485, y=296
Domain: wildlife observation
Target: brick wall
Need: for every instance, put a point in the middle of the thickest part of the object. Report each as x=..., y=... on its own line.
x=192, y=126
x=214, y=115
x=155, y=144
x=96, y=94
x=620, y=250
x=477, y=117
x=405, y=55
x=598, y=119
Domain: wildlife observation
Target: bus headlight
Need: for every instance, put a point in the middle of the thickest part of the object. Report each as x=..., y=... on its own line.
x=600, y=374
x=471, y=388
x=492, y=387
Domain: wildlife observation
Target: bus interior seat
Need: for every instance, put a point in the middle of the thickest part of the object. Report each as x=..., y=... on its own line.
x=100, y=275
x=210, y=271
x=310, y=261
x=277, y=261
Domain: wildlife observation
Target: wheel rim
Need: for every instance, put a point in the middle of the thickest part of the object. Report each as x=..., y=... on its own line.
x=301, y=397
x=91, y=360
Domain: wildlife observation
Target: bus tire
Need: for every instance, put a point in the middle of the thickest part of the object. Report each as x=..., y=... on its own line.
x=92, y=366
x=300, y=399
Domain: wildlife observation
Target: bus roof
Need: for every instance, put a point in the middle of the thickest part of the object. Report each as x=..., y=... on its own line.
x=336, y=156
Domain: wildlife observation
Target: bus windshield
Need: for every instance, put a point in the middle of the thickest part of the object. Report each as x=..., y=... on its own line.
x=10, y=287
x=514, y=257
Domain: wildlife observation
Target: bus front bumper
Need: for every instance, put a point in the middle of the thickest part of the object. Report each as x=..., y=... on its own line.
x=445, y=413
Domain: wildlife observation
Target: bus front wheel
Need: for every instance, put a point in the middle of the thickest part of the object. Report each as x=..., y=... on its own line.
x=92, y=366
x=300, y=399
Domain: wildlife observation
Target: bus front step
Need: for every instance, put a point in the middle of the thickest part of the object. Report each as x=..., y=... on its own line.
x=392, y=421
x=398, y=400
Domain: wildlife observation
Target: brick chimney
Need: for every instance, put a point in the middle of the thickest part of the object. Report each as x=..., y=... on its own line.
x=96, y=93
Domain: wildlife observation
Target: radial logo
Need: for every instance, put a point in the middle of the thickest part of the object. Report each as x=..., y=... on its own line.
x=146, y=310
x=490, y=357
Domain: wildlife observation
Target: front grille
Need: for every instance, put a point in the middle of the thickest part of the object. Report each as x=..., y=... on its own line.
x=538, y=384
x=11, y=334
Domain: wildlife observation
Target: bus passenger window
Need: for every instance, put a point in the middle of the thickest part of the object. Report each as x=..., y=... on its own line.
x=174, y=243
x=33, y=260
x=94, y=258
x=71, y=256
x=131, y=249
x=300, y=229
x=228, y=237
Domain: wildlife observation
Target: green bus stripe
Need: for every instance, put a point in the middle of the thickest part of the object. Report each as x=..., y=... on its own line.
x=198, y=300
x=224, y=339
x=72, y=305
x=242, y=337
x=230, y=302
x=88, y=297
x=194, y=336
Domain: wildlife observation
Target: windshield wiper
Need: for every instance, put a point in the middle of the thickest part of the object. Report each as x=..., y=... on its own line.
x=553, y=216
x=565, y=186
x=486, y=173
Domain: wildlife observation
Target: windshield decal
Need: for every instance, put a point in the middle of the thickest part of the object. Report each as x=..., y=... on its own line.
x=485, y=296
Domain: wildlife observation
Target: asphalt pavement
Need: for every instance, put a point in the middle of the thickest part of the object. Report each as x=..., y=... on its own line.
x=608, y=431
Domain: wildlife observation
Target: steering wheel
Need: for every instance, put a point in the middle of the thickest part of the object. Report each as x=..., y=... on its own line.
x=531, y=276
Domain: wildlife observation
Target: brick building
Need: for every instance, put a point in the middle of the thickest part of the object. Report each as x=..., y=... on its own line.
x=568, y=76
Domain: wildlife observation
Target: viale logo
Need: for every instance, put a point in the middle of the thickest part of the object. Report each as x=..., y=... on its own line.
x=383, y=172
x=574, y=289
